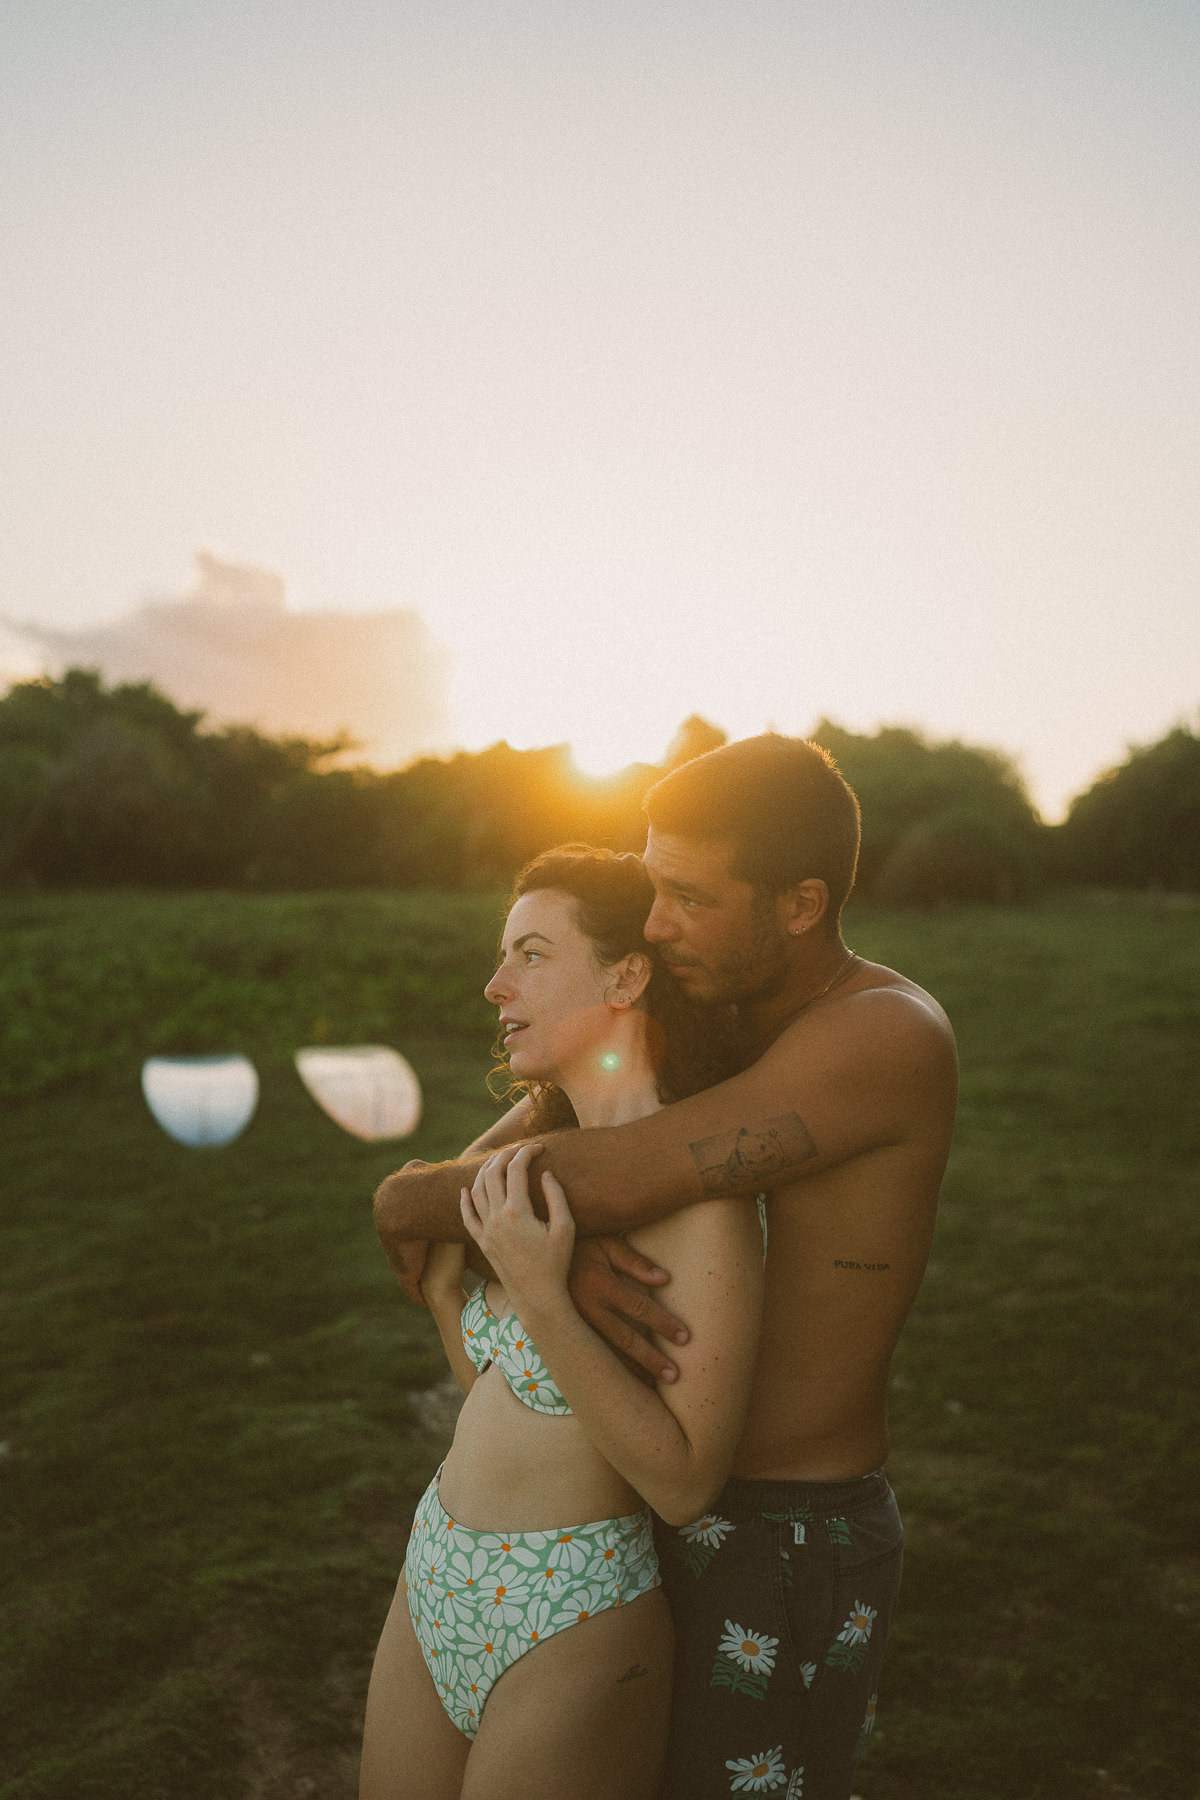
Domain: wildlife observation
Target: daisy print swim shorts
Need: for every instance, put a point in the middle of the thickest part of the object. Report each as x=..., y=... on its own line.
x=781, y=1598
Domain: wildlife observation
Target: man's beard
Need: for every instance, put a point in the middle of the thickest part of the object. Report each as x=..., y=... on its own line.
x=757, y=970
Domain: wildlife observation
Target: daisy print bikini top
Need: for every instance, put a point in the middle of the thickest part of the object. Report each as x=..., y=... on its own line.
x=488, y=1339
x=503, y=1341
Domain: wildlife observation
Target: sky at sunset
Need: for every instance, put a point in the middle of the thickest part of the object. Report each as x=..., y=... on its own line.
x=758, y=358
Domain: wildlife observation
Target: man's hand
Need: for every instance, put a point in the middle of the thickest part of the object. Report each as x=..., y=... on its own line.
x=408, y=1259
x=408, y=1266
x=608, y=1281
x=441, y=1278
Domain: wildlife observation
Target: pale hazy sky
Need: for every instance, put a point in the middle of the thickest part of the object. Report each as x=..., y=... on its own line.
x=760, y=358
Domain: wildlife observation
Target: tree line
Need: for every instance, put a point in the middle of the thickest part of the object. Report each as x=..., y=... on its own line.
x=119, y=787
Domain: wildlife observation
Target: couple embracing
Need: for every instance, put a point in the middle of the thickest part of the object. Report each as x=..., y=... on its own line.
x=661, y=1558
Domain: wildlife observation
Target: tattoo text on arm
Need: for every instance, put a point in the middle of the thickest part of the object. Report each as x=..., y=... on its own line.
x=753, y=1156
x=867, y=1268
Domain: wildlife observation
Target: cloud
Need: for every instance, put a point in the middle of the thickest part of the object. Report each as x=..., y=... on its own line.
x=21, y=657
x=231, y=648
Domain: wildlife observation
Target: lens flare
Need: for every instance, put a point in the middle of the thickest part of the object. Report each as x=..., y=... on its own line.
x=610, y=1060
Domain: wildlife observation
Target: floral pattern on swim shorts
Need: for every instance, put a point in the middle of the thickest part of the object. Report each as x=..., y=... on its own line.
x=781, y=1598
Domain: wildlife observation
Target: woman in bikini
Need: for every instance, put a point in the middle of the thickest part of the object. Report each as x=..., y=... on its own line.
x=528, y=1649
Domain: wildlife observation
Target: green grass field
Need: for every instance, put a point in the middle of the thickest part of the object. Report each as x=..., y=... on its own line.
x=211, y=1457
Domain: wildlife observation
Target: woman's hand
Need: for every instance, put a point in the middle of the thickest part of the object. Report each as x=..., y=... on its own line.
x=441, y=1278
x=531, y=1258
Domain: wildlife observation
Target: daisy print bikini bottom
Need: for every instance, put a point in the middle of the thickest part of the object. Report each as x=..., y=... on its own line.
x=480, y=1599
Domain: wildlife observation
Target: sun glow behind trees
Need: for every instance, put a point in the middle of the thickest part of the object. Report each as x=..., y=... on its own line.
x=599, y=755
x=760, y=360
x=614, y=667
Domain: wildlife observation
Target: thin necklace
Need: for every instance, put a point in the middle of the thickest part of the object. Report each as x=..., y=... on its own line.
x=842, y=969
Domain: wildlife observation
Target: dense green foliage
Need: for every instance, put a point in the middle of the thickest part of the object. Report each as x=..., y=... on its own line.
x=118, y=787
x=107, y=787
x=940, y=821
x=211, y=1461
x=1139, y=825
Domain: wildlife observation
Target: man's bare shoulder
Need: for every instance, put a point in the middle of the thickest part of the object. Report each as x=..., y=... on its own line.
x=869, y=1068
x=878, y=1015
x=911, y=1007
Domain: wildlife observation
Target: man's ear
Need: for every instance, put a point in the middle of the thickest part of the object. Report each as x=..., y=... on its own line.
x=629, y=979
x=802, y=908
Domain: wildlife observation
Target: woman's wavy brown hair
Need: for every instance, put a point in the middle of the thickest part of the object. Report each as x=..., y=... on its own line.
x=612, y=895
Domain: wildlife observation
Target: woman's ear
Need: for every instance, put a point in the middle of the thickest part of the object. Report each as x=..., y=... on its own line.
x=630, y=977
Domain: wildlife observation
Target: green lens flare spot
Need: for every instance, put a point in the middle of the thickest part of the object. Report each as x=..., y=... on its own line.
x=610, y=1060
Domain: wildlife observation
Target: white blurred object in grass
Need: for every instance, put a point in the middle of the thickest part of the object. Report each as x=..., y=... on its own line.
x=367, y=1089
x=201, y=1100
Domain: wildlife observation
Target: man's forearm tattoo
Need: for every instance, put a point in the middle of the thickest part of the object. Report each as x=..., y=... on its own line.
x=736, y=1162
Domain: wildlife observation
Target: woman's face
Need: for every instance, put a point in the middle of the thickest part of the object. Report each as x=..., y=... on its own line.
x=550, y=990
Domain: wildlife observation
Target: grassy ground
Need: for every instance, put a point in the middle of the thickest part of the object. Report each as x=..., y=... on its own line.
x=212, y=1457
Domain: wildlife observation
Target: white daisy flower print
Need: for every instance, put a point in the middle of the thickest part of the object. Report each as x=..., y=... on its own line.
x=757, y=1774
x=710, y=1531
x=605, y=1562
x=505, y=1602
x=571, y=1554
x=795, y=1787
x=496, y=1544
x=525, y=1556
x=590, y=1597
x=696, y=1544
x=457, y=1606
x=465, y=1717
x=482, y=1640
x=857, y=1628
x=752, y=1650
x=475, y=1682
x=807, y=1674
x=868, y=1725
x=539, y=1617
x=466, y=1567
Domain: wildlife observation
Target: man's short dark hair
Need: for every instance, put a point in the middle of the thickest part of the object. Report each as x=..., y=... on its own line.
x=782, y=805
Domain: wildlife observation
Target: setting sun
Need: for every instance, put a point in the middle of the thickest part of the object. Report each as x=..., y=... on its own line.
x=599, y=753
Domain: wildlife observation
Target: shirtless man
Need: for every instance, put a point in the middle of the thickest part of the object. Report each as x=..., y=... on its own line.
x=782, y=1597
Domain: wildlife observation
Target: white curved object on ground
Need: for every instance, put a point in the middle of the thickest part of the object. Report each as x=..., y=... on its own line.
x=367, y=1089
x=201, y=1100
